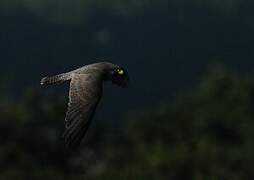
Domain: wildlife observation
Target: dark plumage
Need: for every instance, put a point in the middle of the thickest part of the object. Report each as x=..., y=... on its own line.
x=84, y=94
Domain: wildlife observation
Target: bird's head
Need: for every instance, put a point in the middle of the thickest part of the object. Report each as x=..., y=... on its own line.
x=119, y=76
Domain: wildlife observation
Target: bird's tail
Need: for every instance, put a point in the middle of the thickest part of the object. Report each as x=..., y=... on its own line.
x=60, y=78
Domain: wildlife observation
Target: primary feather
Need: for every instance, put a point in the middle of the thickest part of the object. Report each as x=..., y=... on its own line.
x=84, y=95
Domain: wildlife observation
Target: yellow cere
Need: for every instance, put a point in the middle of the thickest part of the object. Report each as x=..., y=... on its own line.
x=120, y=71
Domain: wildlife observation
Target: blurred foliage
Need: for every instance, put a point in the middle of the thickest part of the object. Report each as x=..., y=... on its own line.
x=206, y=133
x=76, y=11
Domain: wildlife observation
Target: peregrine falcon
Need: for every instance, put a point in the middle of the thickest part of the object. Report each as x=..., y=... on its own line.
x=84, y=94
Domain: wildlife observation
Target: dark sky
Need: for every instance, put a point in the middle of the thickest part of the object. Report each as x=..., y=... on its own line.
x=165, y=48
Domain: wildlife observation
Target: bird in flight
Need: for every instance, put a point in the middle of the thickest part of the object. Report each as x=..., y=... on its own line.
x=84, y=95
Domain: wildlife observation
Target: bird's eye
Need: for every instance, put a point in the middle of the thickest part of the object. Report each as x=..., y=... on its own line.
x=120, y=71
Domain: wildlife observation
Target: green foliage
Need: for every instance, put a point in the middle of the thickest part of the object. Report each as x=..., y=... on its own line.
x=204, y=134
x=77, y=11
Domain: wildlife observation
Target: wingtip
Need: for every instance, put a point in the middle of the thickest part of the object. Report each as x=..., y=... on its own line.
x=70, y=144
x=72, y=141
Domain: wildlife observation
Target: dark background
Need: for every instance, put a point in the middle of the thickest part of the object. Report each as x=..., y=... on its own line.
x=171, y=49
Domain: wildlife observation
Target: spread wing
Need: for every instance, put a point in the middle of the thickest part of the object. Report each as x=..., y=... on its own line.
x=84, y=95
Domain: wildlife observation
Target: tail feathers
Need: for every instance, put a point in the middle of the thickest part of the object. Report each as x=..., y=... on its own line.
x=55, y=79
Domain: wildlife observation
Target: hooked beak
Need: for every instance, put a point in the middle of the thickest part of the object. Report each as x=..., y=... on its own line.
x=125, y=83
